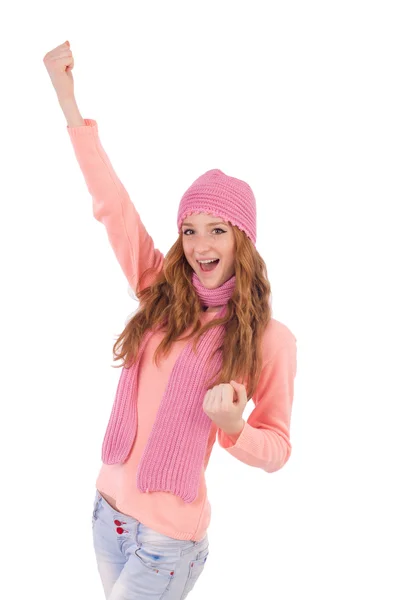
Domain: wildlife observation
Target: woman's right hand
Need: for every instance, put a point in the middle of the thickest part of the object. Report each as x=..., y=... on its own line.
x=59, y=64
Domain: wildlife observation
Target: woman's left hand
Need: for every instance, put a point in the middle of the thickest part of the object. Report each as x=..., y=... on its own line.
x=224, y=404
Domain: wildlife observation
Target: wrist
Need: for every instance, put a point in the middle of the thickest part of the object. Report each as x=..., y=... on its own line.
x=235, y=431
x=71, y=111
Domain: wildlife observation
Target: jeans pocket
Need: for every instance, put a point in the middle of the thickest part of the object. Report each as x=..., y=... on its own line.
x=160, y=564
x=195, y=569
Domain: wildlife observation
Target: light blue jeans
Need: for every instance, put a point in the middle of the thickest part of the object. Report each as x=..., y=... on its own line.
x=136, y=562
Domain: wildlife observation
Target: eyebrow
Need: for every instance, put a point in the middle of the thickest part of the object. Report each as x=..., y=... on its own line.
x=216, y=223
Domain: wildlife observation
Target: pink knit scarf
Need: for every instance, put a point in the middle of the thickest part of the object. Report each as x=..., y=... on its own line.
x=175, y=452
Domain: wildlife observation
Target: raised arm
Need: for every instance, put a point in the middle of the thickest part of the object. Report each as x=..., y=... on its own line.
x=112, y=206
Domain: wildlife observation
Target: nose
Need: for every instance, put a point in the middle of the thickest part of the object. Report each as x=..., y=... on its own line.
x=202, y=249
x=202, y=245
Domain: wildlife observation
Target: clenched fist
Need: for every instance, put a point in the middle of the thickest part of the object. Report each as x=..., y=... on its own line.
x=59, y=64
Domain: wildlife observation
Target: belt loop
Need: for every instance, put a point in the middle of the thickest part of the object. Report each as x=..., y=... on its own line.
x=137, y=534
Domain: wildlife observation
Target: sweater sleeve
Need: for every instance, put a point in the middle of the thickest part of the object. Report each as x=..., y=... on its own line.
x=264, y=441
x=112, y=206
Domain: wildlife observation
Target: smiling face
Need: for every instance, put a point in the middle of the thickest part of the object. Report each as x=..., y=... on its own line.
x=206, y=236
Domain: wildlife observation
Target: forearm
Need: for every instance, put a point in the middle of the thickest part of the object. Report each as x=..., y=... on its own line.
x=71, y=112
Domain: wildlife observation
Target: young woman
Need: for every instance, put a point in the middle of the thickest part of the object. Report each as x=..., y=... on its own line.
x=201, y=343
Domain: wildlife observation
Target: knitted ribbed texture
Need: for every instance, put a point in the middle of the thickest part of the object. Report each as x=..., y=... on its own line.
x=175, y=451
x=223, y=196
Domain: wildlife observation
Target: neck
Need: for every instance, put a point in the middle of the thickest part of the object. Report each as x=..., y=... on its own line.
x=211, y=309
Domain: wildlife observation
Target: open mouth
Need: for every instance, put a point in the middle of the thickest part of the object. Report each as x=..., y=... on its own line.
x=207, y=267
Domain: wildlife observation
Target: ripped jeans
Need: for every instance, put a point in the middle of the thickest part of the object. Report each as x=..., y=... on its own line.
x=135, y=562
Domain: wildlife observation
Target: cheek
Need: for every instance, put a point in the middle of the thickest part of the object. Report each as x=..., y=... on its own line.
x=229, y=250
x=187, y=248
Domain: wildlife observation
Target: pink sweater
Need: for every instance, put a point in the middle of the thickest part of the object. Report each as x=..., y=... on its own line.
x=264, y=442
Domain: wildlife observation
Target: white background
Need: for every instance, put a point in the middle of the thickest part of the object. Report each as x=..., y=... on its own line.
x=298, y=99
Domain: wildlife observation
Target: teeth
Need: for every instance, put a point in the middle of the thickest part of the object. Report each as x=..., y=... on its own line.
x=207, y=261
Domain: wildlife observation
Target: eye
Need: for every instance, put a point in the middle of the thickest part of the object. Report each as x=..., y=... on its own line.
x=215, y=229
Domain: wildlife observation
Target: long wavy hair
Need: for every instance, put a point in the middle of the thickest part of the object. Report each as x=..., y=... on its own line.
x=171, y=302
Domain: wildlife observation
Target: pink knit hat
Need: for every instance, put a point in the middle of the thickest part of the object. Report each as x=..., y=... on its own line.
x=221, y=195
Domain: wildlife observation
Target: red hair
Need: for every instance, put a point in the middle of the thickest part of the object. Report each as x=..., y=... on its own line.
x=171, y=302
